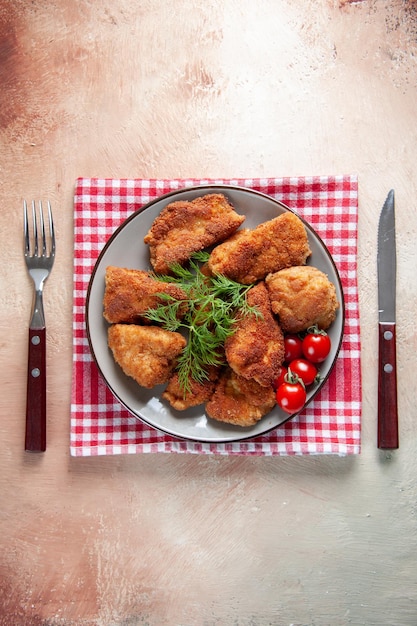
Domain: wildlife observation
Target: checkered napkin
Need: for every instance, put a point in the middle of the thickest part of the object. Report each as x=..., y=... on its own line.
x=330, y=424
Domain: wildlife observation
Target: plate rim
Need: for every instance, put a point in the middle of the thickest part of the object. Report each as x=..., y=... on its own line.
x=205, y=188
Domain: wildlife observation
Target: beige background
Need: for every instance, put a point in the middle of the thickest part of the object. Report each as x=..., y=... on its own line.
x=204, y=88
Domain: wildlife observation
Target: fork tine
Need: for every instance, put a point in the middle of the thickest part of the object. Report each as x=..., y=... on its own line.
x=26, y=228
x=51, y=229
x=42, y=228
x=39, y=237
x=35, y=229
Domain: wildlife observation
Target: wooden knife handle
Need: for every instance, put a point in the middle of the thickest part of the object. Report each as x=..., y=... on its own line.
x=35, y=439
x=387, y=388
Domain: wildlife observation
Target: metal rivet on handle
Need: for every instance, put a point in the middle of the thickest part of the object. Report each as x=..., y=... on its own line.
x=36, y=372
x=36, y=340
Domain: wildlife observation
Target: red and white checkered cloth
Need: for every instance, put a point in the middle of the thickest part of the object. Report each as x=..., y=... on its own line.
x=330, y=424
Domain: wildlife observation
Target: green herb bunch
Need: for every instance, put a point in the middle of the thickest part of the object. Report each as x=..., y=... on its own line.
x=212, y=307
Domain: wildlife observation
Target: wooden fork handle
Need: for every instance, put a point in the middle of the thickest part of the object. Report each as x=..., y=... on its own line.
x=35, y=438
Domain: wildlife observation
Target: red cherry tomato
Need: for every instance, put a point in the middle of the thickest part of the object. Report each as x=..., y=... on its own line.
x=305, y=370
x=293, y=347
x=291, y=397
x=316, y=346
x=281, y=378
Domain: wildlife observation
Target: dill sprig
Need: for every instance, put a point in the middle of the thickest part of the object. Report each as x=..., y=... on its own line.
x=212, y=307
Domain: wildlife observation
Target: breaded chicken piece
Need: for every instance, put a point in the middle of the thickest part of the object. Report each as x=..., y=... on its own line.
x=130, y=293
x=249, y=255
x=199, y=393
x=239, y=401
x=146, y=353
x=185, y=227
x=301, y=297
x=256, y=348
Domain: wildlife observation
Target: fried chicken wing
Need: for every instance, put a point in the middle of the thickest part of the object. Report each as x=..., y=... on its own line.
x=239, y=401
x=198, y=393
x=301, y=297
x=249, y=255
x=146, y=353
x=185, y=227
x=130, y=293
x=256, y=348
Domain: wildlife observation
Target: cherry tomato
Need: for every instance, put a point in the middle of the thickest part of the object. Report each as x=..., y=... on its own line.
x=316, y=346
x=293, y=347
x=291, y=397
x=281, y=378
x=305, y=370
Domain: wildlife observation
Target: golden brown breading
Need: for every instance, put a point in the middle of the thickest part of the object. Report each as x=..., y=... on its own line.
x=301, y=297
x=199, y=393
x=239, y=401
x=256, y=348
x=146, y=353
x=130, y=293
x=249, y=255
x=184, y=227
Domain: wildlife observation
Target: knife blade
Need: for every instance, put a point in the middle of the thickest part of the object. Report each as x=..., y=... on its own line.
x=387, y=358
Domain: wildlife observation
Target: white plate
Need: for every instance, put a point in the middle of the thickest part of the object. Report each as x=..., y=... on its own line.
x=125, y=248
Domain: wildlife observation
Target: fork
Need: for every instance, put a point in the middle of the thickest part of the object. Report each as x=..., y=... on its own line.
x=39, y=243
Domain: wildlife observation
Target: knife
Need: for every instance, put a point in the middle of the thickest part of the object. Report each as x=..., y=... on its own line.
x=387, y=360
